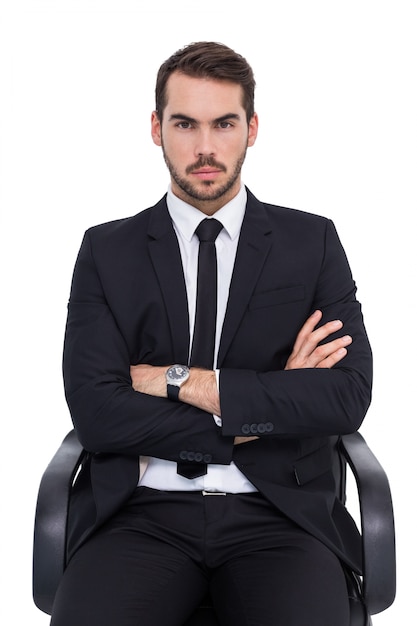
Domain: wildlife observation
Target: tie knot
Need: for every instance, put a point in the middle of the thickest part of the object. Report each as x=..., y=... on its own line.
x=208, y=229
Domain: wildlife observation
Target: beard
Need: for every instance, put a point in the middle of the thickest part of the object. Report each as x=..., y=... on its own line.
x=209, y=191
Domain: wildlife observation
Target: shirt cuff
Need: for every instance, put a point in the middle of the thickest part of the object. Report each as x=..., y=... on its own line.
x=217, y=419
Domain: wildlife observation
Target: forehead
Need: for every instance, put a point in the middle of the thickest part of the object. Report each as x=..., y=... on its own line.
x=198, y=97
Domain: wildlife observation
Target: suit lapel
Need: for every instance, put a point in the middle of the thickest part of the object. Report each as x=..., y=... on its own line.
x=253, y=248
x=166, y=259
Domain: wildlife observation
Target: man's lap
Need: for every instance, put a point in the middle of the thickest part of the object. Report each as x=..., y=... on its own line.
x=155, y=560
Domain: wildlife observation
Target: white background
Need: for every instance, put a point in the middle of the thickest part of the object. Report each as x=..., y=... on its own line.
x=337, y=103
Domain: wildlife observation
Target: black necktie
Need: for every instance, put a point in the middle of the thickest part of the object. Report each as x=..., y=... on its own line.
x=202, y=351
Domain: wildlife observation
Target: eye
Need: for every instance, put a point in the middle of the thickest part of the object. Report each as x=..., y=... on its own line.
x=184, y=125
x=225, y=125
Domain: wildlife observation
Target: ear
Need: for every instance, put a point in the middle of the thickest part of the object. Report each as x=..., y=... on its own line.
x=156, y=130
x=253, y=130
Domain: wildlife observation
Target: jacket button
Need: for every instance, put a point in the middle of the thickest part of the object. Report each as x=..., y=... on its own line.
x=207, y=458
x=254, y=429
x=183, y=455
x=261, y=428
x=198, y=457
x=269, y=427
x=246, y=429
x=190, y=456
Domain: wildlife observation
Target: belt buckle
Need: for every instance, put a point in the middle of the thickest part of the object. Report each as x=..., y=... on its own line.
x=213, y=493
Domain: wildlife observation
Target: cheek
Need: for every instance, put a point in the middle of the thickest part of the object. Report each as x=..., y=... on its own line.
x=176, y=150
x=178, y=156
x=238, y=144
x=238, y=150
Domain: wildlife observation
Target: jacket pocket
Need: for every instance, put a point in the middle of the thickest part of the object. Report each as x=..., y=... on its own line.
x=313, y=465
x=277, y=297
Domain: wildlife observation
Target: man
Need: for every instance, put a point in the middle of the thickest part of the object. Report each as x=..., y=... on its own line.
x=211, y=477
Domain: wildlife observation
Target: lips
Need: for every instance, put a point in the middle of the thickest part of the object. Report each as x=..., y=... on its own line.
x=205, y=167
x=206, y=172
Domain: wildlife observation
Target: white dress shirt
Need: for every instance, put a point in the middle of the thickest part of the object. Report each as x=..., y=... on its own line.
x=160, y=473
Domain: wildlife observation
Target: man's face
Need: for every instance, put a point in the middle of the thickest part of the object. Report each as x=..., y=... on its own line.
x=204, y=136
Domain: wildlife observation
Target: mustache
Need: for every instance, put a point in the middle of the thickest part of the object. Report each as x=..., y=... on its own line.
x=205, y=162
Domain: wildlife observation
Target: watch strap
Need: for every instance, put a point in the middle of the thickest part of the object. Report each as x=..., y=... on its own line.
x=173, y=392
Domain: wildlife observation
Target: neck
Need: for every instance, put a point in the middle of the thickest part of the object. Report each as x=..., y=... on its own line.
x=208, y=207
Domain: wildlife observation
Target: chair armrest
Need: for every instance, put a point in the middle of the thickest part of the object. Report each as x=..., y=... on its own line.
x=377, y=521
x=50, y=533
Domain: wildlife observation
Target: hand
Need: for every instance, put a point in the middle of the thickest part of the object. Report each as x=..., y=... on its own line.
x=240, y=440
x=149, y=379
x=308, y=354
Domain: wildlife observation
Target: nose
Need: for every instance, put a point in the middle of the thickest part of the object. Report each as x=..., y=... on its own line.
x=205, y=145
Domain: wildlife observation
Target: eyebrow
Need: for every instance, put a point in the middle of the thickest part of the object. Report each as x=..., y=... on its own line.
x=192, y=120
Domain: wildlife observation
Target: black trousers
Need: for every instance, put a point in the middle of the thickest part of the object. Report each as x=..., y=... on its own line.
x=152, y=564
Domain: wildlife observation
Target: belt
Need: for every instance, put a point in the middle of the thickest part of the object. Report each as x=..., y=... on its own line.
x=226, y=493
x=203, y=492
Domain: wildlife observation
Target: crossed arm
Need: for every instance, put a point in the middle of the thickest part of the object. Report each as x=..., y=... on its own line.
x=201, y=390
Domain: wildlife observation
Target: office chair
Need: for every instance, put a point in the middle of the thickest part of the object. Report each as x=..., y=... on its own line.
x=369, y=594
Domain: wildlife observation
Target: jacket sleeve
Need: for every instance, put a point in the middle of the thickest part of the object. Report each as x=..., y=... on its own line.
x=108, y=415
x=308, y=402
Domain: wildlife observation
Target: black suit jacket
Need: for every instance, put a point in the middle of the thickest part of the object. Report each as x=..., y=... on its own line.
x=128, y=305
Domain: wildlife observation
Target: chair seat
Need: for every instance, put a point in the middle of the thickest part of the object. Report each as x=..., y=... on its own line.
x=372, y=595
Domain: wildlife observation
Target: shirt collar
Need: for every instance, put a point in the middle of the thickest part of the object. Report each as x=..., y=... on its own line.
x=186, y=218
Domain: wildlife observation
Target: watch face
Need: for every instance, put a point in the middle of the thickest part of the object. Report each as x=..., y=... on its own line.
x=177, y=373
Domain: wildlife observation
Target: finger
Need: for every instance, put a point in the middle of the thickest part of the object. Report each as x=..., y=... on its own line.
x=331, y=353
x=312, y=341
x=332, y=359
x=306, y=329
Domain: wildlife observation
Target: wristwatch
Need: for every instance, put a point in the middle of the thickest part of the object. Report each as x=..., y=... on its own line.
x=176, y=375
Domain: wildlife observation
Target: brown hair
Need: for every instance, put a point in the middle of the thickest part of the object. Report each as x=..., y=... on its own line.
x=207, y=60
